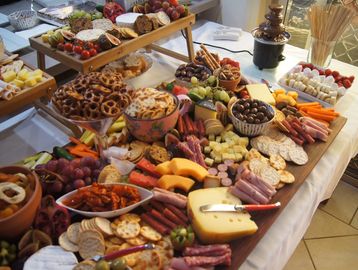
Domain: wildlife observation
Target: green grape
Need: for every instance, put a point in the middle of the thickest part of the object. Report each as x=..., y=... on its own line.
x=211, y=80
x=194, y=90
x=224, y=96
x=210, y=95
x=201, y=91
x=194, y=80
x=217, y=95
x=208, y=90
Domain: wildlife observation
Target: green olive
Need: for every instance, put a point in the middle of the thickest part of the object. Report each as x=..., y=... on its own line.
x=118, y=264
x=102, y=265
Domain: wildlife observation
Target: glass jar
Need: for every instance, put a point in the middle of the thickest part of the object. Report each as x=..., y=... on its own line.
x=321, y=52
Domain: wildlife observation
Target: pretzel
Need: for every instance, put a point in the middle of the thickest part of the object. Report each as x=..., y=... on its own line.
x=110, y=108
x=91, y=111
x=92, y=96
x=103, y=90
x=75, y=95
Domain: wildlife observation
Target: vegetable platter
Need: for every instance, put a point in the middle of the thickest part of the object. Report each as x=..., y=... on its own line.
x=188, y=158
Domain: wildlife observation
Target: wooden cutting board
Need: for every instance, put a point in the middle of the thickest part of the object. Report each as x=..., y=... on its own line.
x=242, y=248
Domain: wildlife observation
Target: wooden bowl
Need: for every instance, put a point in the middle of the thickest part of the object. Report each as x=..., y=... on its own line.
x=16, y=224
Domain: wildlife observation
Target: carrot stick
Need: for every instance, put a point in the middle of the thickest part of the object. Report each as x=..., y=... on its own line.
x=321, y=111
x=303, y=113
x=76, y=152
x=299, y=105
x=74, y=140
x=324, y=117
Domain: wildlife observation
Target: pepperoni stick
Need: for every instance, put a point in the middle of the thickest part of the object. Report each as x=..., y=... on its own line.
x=170, y=215
x=188, y=125
x=180, y=125
x=162, y=219
x=288, y=126
x=299, y=129
x=155, y=224
x=178, y=213
x=157, y=205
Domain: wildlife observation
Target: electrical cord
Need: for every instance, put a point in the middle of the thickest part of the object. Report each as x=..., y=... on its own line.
x=218, y=47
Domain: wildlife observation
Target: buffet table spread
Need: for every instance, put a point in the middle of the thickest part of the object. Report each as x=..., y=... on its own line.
x=278, y=244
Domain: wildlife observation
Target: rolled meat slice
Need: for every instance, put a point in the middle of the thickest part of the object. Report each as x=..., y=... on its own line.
x=315, y=133
x=207, y=250
x=171, y=198
x=208, y=261
x=251, y=191
x=242, y=195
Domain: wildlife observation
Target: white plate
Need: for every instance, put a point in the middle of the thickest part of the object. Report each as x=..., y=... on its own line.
x=144, y=194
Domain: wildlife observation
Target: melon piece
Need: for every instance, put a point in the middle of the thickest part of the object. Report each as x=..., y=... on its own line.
x=163, y=168
x=218, y=227
x=175, y=181
x=186, y=167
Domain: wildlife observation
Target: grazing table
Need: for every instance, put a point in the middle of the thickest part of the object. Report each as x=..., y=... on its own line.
x=277, y=245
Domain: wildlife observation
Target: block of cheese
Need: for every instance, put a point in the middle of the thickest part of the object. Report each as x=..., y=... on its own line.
x=186, y=167
x=260, y=92
x=204, y=110
x=218, y=227
x=175, y=181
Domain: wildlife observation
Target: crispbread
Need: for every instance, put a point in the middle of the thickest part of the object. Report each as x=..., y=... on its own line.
x=286, y=177
x=85, y=265
x=136, y=241
x=66, y=244
x=277, y=162
x=104, y=226
x=270, y=175
x=298, y=155
x=90, y=246
x=150, y=233
x=130, y=217
x=73, y=232
x=127, y=229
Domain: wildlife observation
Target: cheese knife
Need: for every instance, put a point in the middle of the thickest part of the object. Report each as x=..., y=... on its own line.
x=238, y=207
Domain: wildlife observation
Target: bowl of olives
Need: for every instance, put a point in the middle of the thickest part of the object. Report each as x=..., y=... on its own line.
x=191, y=73
x=251, y=117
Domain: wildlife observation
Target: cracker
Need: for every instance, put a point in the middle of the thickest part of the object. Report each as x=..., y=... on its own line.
x=149, y=260
x=256, y=165
x=130, y=217
x=137, y=241
x=253, y=143
x=128, y=229
x=286, y=177
x=150, y=233
x=90, y=246
x=280, y=185
x=66, y=244
x=85, y=265
x=253, y=153
x=270, y=175
x=91, y=233
x=285, y=152
x=73, y=232
x=165, y=249
x=131, y=259
x=273, y=148
x=277, y=162
x=298, y=155
x=104, y=226
x=112, y=248
x=115, y=240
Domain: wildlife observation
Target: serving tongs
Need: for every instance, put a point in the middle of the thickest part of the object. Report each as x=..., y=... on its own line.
x=123, y=252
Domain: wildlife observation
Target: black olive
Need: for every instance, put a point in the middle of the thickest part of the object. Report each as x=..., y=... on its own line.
x=254, y=110
x=189, y=69
x=240, y=108
x=242, y=101
x=265, y=119
x=250, y=119
x=183, y=73
x=240, y=116
x=262, y=109
x=247, y=111
x=189, y=74
x=260, y=115
x=247, y=105
x=254, y=105
x=257, y=121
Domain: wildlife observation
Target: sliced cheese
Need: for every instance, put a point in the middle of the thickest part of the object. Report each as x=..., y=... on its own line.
x=186, y=167
x=205, y=110
x=218, y=227
x=260, y=92
x=175, y=181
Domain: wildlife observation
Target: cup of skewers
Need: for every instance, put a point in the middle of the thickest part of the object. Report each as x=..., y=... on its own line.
x=229, y=77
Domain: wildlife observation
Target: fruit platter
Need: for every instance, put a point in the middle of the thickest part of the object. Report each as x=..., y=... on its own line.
x=178, y=176
x=91, y=40
x=21, y=84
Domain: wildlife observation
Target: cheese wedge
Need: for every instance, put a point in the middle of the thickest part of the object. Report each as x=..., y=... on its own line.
x=260, y=92
x=218, y=227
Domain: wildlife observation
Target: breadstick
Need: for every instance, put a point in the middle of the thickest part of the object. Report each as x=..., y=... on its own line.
x=208, y=63
x=216, y=64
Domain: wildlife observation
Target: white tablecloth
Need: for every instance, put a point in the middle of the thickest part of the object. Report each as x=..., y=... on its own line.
x=277, y=246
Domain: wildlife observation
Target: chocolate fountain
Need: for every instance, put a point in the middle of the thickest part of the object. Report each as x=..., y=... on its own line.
x=270, y=39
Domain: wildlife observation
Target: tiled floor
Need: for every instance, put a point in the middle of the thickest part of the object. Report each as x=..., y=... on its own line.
x=331, y=241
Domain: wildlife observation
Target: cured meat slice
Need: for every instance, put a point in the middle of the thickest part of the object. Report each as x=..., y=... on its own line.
x=207, y=250
x=208, y=261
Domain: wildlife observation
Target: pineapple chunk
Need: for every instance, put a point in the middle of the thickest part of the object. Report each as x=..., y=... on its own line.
x=209, y=161
x=218, y=160
x=38, y=72
x=18, y=83
x=30, y=82
x=9, y=76
x=23, y=74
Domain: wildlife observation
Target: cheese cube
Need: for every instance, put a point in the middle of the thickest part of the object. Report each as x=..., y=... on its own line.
x=212, y=144
x=38, y=78
x=218, y=139
x=218, y=227
x=225, y=145
x=238, y=157
x=30, y=82
x=38, y=72
x=226, y=156
x=18, y=83
x=207, y=149
x=218, y=159
x=213, y=155
x=23, y=74
x=209, y=161
x=8, y=76
x=244, y=141
x=217, y=148
x=211, y=137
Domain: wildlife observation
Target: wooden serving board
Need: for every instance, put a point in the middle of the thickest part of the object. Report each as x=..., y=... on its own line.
x=126, y=47
x=29, y=94
x=242, y=248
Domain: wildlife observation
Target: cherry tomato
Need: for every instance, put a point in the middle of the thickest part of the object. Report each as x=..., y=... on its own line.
x=92, y=52
x=97, y=48
x=61, y=46
x=78, y=49
x=351, y=78
x=335, y=74
x=85, y=54
x=79, y=42
x=347, y=83
x=68, y=47
x=89, y=45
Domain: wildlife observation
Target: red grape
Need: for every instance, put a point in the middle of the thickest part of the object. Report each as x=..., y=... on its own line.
x=97, y=164
x=68, y=188
x=165, y=5
x=79, y=183
x=76, y=163
x=180, y=9
x=87, y=161
x=40, y=167
x=65, y=178
x=78, y=173
x=175, y=15
x=62, y=163
x=88, y=181
x=157, y=5
x=68, y=170
x=52, y=165
x=169, y=11
x=95, y=174
x=55, y=187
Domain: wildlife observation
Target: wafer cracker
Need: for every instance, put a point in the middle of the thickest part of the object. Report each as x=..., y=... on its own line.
x=103, y=225
x=270, y=175
x=298, y=155
x=136, y=241
x=130, y=217
x=90, y=246
x=85, y=265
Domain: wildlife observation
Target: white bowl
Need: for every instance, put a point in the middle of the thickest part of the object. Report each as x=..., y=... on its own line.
x=144, y=194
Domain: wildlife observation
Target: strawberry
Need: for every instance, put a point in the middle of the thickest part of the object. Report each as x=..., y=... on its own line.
x=337, y=78
x=347, y=83
x=328, y=72
x=351, y=78
x=174, y=2
x=178, y=90
x=335, y=74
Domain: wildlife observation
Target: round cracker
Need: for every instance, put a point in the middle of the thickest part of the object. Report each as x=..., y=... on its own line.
x=112, y=248
x=130, y=217
x=66, y=244
x=90, y=246
x=150, y=234
x=253, y=153
x=149, y=260
x=256, y=165
x=270, y=175
x=286, y=177
x=273, y=148
x=128, y=229
x=277, y=162
x=298, y=155
x=285, y=152
x=73, y=232
x=85, y=265
x=104, y=226
x=280, y=185
x=116, y=240
x=131, y=259
x=137, y=241
x=91, y=233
